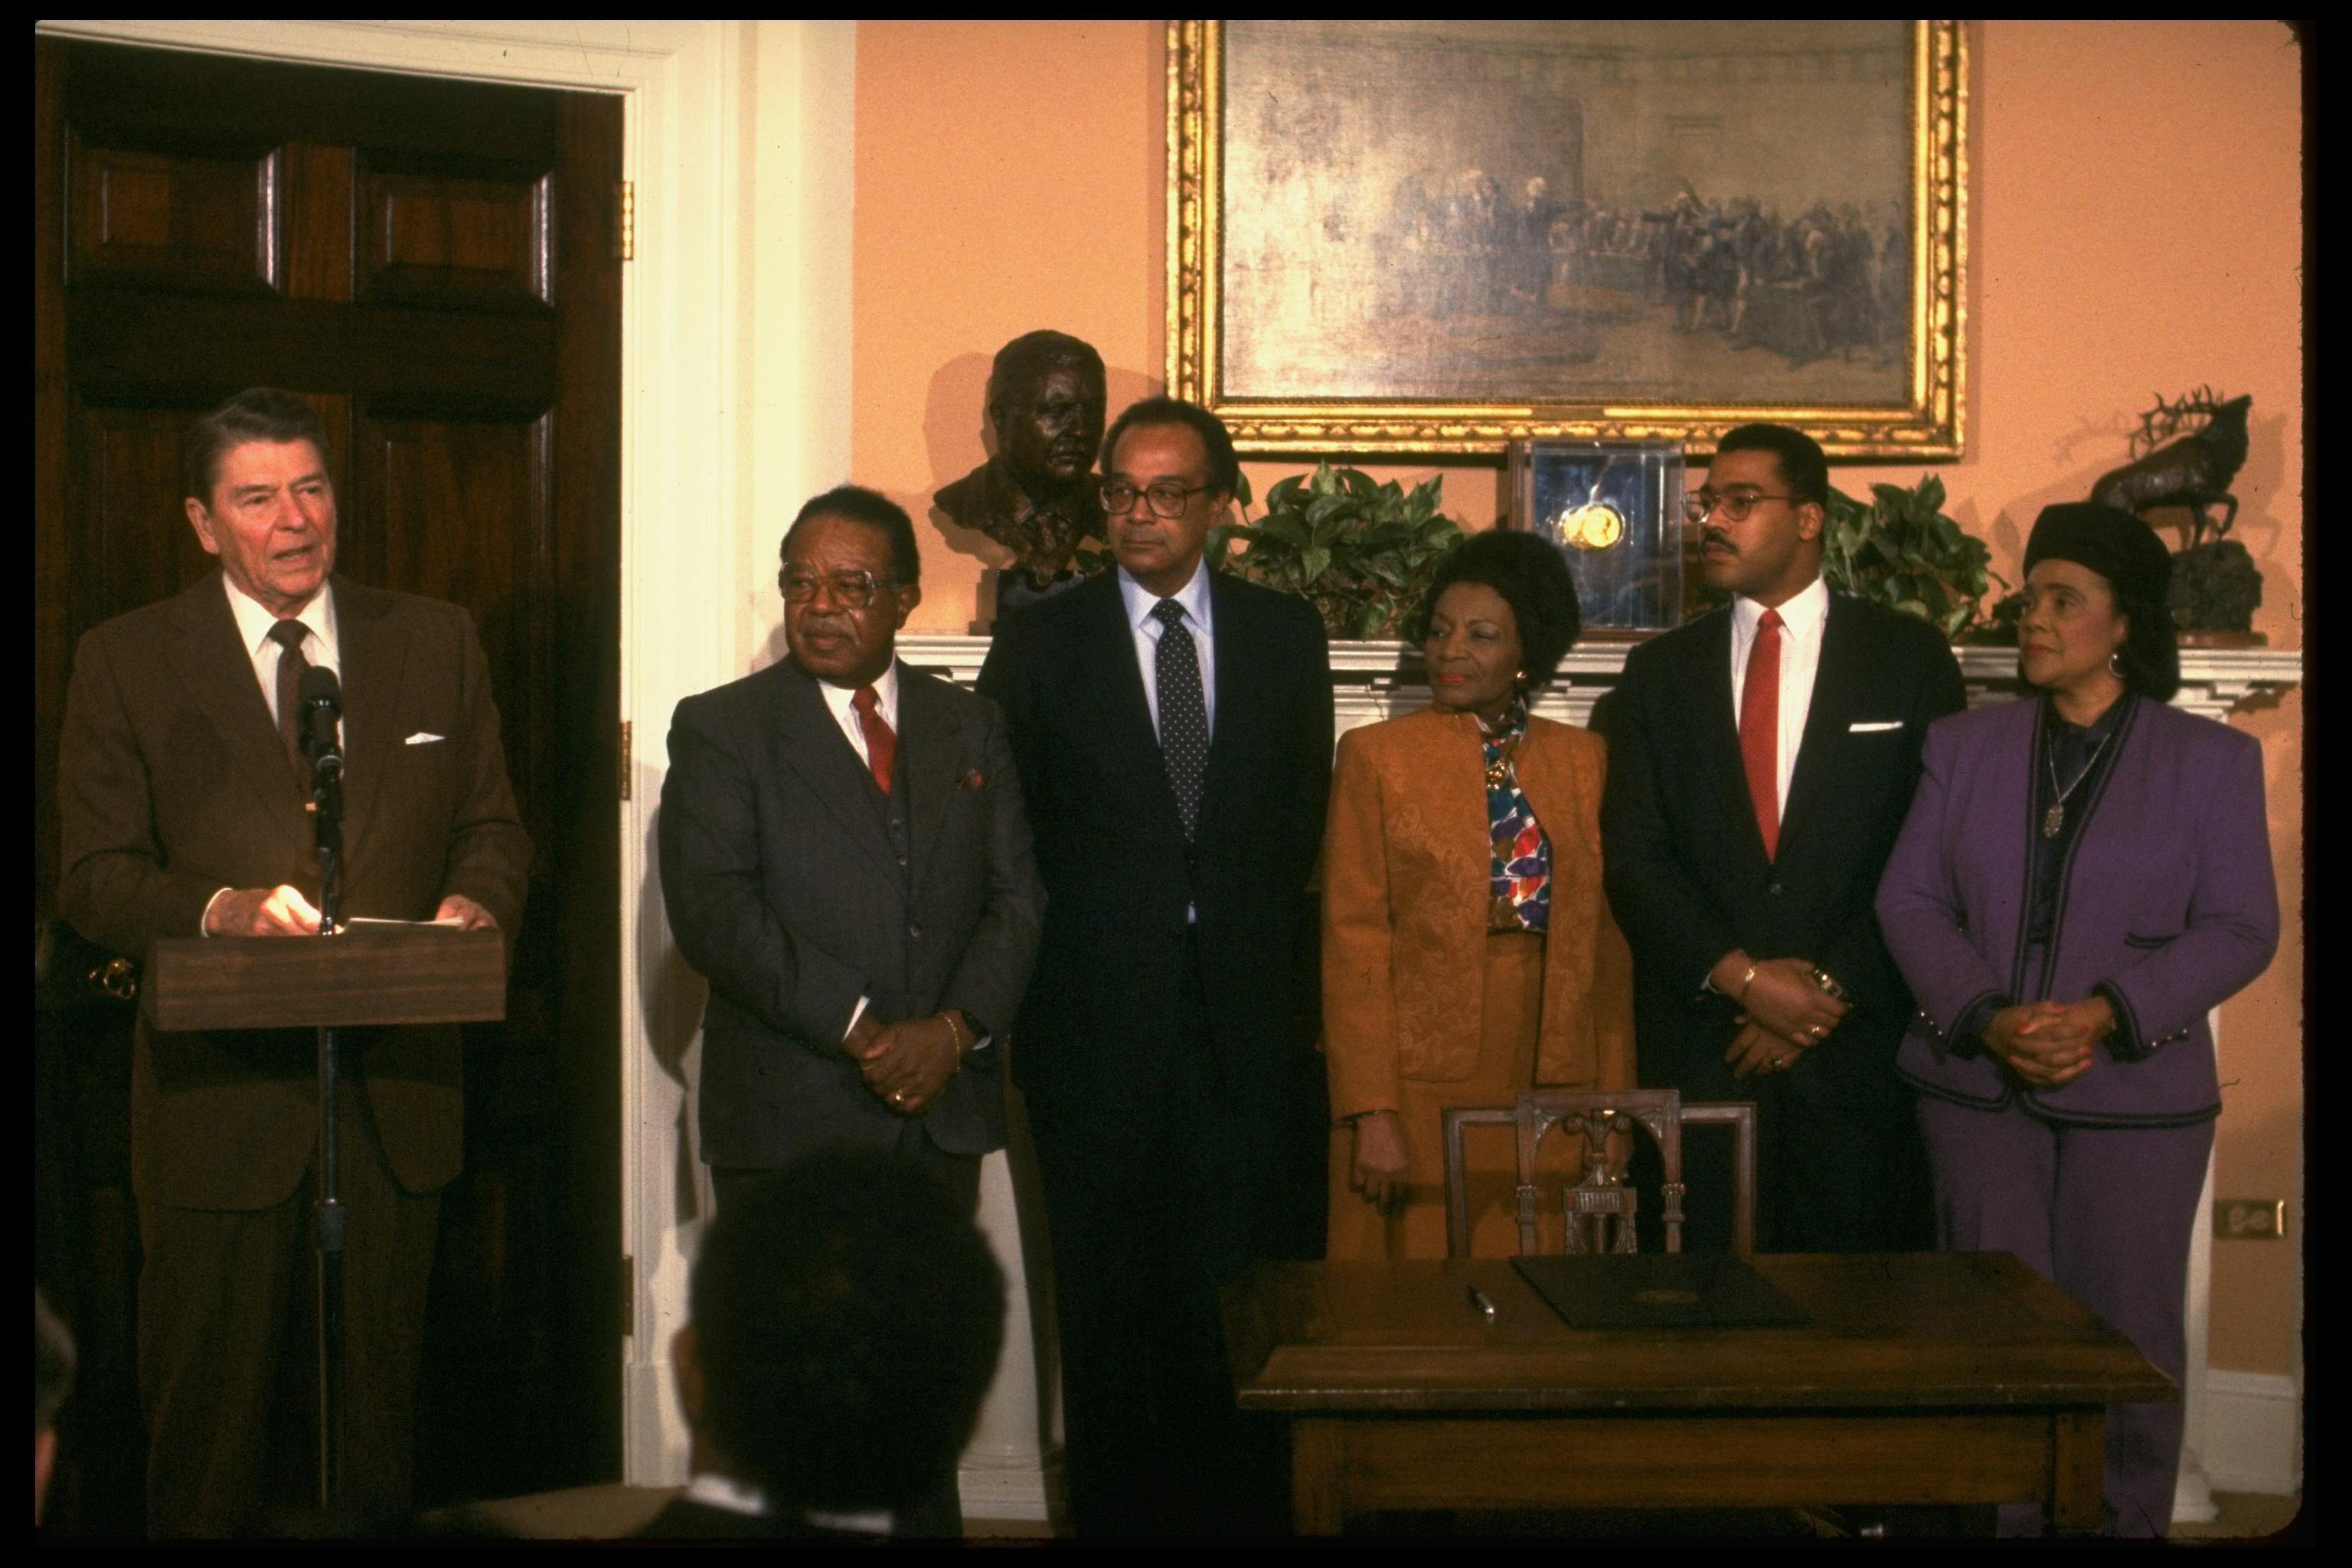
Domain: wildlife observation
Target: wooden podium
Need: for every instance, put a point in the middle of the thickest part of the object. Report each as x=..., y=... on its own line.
x=369, y=975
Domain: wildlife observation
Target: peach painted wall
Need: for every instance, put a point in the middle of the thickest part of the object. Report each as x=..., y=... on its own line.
x=2135, y=226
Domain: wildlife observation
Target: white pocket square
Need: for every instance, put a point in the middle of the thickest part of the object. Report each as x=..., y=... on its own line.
x=425, y=738
x=1871, y=725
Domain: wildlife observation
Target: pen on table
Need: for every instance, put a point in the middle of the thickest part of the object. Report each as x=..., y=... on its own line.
x=1478, y=1299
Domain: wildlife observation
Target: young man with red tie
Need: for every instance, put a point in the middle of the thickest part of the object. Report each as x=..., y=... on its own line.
x=1761, y=760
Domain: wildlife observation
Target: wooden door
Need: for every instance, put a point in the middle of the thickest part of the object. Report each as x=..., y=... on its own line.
x=434, y=265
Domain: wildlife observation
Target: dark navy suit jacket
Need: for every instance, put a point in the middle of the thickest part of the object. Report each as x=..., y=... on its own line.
x=1685, y=866
x=1100, y=1021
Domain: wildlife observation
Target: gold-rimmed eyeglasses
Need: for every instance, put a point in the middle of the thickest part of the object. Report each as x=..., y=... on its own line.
x=851, y=590
x=1735, y=507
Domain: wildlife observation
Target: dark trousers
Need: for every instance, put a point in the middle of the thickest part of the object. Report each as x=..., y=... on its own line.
x=1829, y=1178
x=227, y=1360
x=2106, y=1213
x=1151, y=1211
x=937, y=1513
x=957, y=1174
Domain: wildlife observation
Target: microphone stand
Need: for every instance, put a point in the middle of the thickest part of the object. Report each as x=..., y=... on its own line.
x=327, y=798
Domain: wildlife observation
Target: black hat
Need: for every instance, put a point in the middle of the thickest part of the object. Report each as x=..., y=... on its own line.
x=2110, y=541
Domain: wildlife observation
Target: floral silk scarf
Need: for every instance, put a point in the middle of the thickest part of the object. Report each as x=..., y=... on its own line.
x=1521, y=869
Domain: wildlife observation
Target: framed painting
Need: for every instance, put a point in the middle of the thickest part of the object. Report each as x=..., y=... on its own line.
x=1442, y=236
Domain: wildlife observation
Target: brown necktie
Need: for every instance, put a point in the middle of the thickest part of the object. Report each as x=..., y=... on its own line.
x=289, y=635
x=881, y=745
x=1759, y=729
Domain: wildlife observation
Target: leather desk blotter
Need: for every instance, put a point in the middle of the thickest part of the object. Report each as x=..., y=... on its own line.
x=1659, y=1290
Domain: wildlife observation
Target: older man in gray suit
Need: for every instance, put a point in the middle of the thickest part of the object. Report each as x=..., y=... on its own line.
x=846, y=859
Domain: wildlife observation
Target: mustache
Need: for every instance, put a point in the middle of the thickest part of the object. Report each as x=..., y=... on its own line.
x=1718, y=536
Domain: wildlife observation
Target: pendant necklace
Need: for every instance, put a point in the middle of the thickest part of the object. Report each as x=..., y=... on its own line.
x=1498, y=772
x=1506, y=743
x=2055, y=817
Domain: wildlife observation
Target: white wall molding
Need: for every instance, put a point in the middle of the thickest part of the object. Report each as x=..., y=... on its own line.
x=1365, y=683
x=2253, y=1432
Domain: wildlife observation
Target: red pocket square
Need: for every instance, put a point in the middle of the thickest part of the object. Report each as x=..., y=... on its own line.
x=971, y=780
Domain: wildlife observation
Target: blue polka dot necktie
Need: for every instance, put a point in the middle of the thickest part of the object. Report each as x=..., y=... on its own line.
x=1184, y=713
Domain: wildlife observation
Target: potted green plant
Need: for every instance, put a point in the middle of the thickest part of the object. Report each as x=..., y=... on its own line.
x=1899, y=550
x=1362, y=554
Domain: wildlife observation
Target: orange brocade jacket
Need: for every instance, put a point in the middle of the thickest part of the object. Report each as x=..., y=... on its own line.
x=1406, y=863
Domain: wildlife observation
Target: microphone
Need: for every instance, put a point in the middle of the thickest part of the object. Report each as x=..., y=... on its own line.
x=321, y=698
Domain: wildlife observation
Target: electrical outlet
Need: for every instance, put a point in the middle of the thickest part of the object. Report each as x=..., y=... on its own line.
x=2248, y=1219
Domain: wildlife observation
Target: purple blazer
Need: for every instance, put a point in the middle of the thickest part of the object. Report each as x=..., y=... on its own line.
x=2168, y=899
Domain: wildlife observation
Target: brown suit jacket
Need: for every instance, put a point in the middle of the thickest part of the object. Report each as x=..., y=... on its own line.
x=173, y=784
x=1406, y=863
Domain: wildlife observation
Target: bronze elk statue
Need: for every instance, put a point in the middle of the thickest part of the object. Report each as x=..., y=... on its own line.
x=2193, y=471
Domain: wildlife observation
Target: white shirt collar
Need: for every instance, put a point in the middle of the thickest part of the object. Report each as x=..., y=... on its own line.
x=1802, y=616
x=886, y=697
x=1141, y=600
x=255, y=618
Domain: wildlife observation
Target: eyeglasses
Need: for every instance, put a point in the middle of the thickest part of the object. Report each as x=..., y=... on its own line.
x=1166, y=498
x=1735, y=507
x=851, y=590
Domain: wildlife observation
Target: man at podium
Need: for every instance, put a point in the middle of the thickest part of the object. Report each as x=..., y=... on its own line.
x=184, y=798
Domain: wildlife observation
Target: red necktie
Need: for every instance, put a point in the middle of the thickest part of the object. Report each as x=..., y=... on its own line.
x=1759, y=729
x=881, y=745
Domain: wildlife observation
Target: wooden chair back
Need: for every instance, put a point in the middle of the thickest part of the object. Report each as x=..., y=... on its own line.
x=1599, y=1210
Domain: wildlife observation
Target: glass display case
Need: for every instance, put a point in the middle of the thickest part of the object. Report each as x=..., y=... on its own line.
x=1616, y=510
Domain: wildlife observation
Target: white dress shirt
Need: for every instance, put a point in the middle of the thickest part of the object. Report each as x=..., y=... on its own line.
x=254, y=620
x=1148, y=628
x=1802, y=619
x=842, y=701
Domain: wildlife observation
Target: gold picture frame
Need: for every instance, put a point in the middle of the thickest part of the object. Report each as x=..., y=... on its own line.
x=1324, y=254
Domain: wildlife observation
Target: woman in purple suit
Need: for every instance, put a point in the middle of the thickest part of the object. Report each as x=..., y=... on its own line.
x=2082, y=877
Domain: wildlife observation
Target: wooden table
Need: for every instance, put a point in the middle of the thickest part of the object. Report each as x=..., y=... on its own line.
x=1924, y=1378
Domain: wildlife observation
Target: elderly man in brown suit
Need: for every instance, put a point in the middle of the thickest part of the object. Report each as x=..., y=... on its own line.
x=183, y=794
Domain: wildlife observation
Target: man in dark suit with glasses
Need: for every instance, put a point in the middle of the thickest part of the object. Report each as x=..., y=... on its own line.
x=1760, y=762
x=1173, y=729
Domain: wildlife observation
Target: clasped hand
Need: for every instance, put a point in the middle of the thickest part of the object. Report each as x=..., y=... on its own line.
x=1784, y=1012
x=2049, y=1044
x=907, y=1065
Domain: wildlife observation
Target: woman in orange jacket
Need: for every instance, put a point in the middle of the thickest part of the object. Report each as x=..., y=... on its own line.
x=1468, y=951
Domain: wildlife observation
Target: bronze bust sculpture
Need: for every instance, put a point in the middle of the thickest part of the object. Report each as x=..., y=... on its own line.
x=1037, y=494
